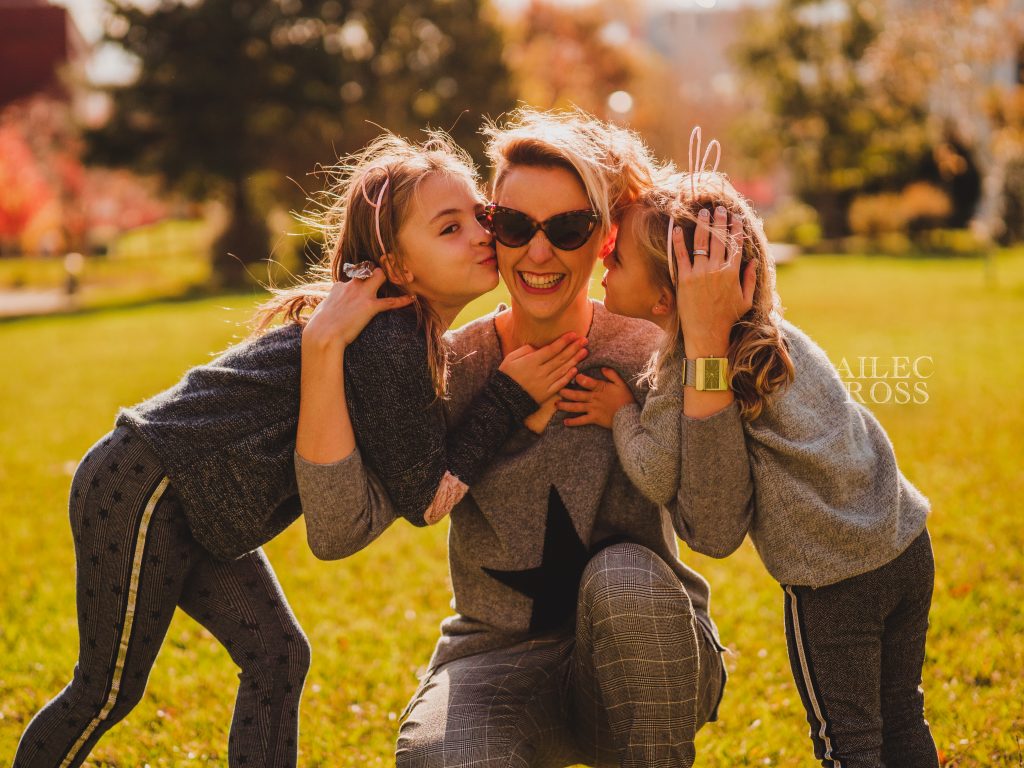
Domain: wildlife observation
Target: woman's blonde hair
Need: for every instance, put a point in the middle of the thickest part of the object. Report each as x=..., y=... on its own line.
x=759, y=362
x=613, y=164
x=390, y=171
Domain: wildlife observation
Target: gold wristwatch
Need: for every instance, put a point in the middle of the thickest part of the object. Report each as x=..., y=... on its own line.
x=706, y=374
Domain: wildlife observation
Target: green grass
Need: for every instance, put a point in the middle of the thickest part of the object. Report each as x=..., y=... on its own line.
x=373, y=619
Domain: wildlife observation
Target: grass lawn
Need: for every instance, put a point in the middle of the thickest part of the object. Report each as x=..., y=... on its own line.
x=372, y=619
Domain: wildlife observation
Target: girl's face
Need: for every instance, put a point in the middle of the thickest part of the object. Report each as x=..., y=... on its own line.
x=630, y=287
x=544, y=281
x=448, y=258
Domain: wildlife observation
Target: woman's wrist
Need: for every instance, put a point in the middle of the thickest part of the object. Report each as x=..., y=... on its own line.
x=706, y=345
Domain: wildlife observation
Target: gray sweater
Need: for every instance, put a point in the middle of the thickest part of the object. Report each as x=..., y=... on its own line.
x=225, y=433
x=520, y=538
x=830, y=502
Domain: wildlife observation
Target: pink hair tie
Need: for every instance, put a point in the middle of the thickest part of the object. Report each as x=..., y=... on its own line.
x=377, y=206
x=695, y=136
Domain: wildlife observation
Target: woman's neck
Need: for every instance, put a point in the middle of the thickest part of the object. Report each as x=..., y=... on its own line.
x=516, y=328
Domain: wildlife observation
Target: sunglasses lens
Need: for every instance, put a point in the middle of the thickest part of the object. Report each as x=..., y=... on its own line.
x=571, y=231
x=511, y=228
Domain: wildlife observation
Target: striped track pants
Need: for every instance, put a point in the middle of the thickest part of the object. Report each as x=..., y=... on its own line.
x=857, y=648
x=136, y=561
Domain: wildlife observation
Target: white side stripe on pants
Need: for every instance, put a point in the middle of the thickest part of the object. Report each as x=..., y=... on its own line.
x=126, y=630
x=806, y=671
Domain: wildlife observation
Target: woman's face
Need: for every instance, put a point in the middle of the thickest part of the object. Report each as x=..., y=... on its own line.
x=448, y=258
x=544, y=281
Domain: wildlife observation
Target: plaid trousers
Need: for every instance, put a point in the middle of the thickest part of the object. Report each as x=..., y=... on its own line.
x=630, y=688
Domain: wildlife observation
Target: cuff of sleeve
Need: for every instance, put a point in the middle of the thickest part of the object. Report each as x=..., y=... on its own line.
x=515, y=399
x=324, y=484
x=626, y=418
x=717, y=439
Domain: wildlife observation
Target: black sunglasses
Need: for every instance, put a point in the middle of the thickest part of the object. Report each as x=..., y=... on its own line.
x=566, y=231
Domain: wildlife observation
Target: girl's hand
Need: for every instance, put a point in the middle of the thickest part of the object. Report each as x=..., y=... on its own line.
x=598, y=401
x=339, y=319
x=709, y=295
x=542, y=372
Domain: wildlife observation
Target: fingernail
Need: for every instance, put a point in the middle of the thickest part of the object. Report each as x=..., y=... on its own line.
x=703, y=213
x=677, y=230
x=720, y=210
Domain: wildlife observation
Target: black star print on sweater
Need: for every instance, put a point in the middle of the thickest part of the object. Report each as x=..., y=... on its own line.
x=554, y=584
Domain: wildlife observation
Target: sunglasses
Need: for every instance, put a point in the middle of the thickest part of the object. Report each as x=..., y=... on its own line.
x=514, y=229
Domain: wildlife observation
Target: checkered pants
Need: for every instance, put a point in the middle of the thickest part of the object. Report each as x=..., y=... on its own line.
x=630, y=689
x=136, y=562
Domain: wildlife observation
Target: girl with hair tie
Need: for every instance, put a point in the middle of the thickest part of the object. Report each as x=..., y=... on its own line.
x=832, y=517
x=171, y=508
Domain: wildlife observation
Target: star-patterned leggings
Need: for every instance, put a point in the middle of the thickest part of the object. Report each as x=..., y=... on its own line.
x=136, y=561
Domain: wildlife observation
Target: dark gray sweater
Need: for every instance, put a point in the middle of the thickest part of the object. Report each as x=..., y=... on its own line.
x=519, y=539
x=225, y=433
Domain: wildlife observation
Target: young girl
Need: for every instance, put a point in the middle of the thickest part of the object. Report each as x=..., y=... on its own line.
x=832, y=517
x=170, y=508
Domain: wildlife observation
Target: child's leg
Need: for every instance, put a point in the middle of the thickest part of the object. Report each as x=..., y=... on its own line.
x=907, y=740
x=133, y=551
x=242, y=605
x=834, y=638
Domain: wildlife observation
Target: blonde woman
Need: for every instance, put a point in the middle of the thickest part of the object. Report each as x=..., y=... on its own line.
x=578, y=634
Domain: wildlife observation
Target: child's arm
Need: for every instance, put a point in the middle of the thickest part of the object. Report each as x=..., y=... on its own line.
x=698, y=468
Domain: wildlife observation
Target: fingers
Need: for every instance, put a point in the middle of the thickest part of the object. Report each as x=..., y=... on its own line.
x=683, y=265
x=587, y=382
x=551, y=351
x=576, y=395
x=519, y=352
x=579, y=421
x=571, y=407
x=376, y=279
x=716, y=258
x=394, y=302
x=613, y=376
x=701, y=241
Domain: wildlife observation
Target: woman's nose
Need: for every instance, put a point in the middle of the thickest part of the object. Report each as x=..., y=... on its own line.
x=539, y=249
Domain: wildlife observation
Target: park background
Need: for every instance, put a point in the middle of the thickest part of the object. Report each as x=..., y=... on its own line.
x=141, y=144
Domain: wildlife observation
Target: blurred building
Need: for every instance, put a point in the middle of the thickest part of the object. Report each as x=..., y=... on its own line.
x=39, y=47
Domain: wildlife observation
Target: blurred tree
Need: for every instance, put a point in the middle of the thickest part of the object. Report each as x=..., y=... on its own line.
x=841, y=120
x=227, y=91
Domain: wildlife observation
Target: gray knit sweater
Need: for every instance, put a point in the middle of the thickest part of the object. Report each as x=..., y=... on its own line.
x=520, y=538
x=830, y=501
x=225, y=433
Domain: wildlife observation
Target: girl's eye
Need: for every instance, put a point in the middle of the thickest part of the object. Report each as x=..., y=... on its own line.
x=450, y=229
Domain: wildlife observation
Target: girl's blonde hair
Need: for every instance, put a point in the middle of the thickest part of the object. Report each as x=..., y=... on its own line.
x=348, y=219
x=613, y=164
x=759, y=362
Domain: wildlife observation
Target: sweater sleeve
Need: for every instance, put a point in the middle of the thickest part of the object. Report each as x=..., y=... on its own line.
x=400, y=426
x=344, y=506
x=698, y=468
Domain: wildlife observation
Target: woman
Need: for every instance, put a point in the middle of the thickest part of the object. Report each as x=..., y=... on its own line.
x=553, y=533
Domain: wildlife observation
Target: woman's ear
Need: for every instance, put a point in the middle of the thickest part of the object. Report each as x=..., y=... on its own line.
x=396, y=274
x=666, y=303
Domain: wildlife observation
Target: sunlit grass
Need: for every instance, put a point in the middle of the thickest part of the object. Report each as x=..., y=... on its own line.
x=373, y=618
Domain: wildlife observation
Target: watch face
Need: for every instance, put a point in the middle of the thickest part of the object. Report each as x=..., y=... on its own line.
x=712, y=373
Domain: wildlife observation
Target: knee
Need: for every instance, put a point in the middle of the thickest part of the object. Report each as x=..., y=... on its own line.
x=492, y=747
x=620, y=574
x=285, y=660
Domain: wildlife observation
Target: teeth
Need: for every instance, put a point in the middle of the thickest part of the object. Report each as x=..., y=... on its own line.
x=535, y=280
